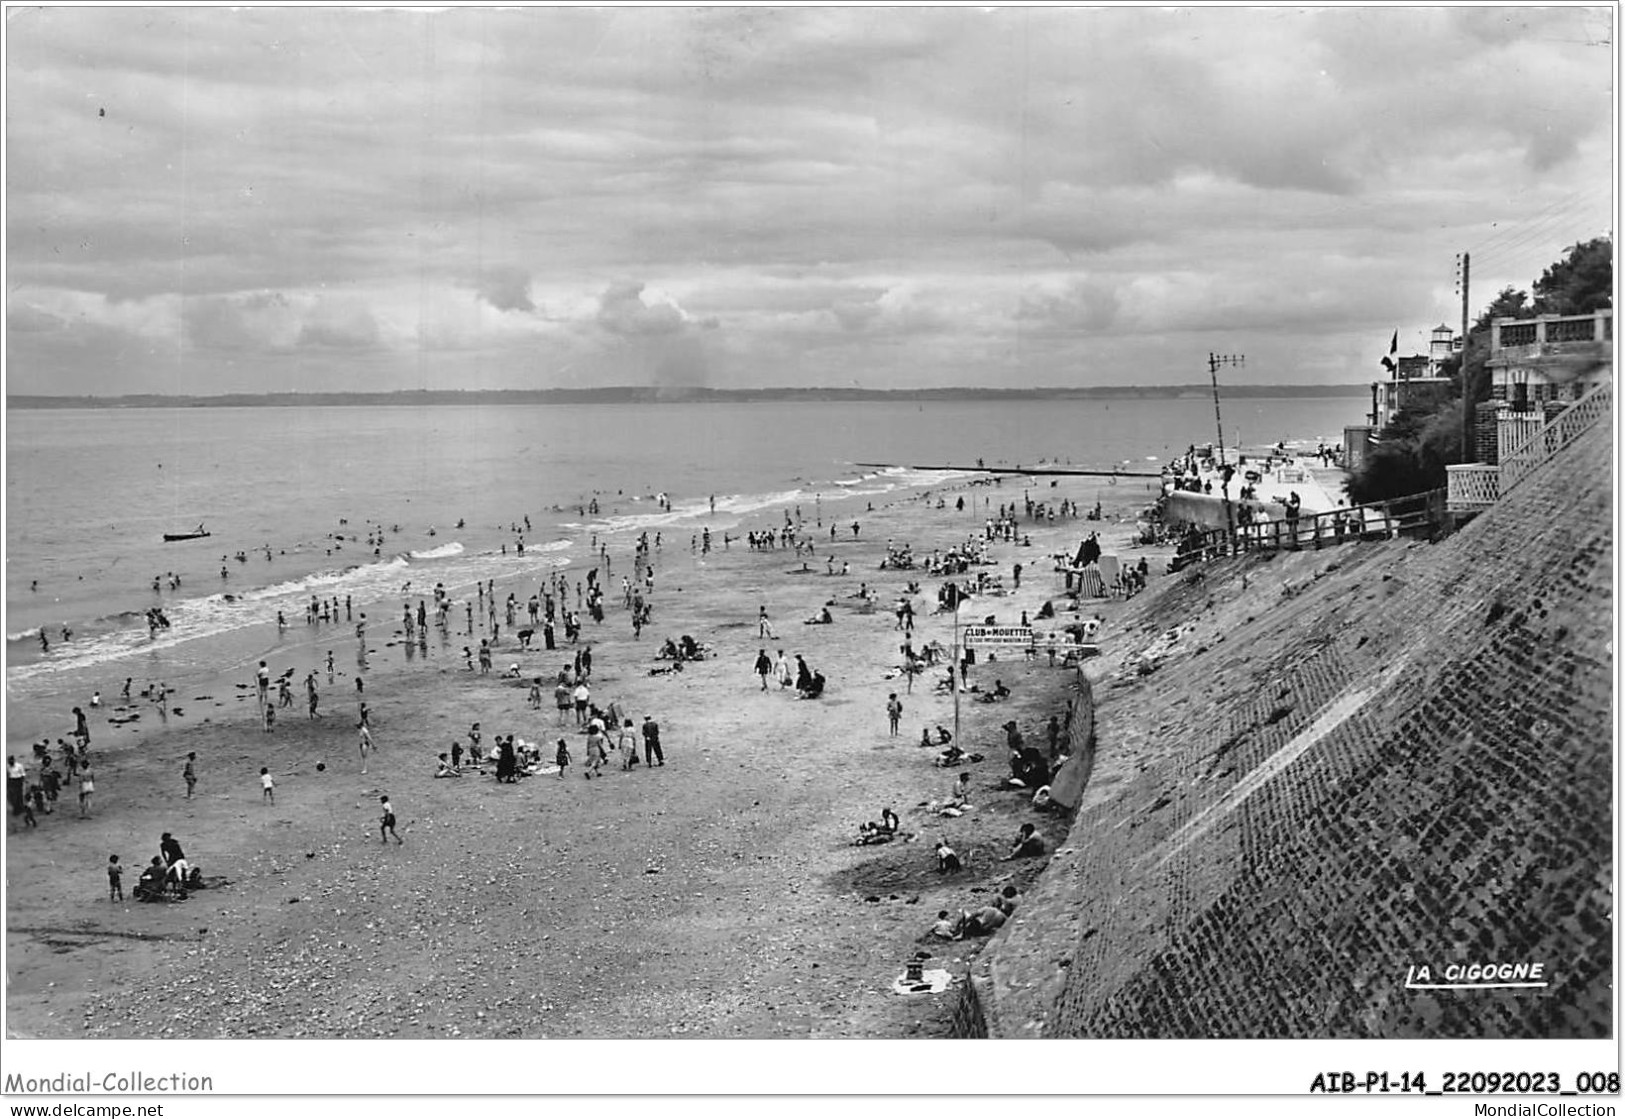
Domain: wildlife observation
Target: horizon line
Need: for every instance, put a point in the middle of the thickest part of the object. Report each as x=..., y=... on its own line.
x=700, y=390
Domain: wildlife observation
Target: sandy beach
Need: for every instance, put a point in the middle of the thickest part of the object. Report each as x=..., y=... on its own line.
x=718, y=896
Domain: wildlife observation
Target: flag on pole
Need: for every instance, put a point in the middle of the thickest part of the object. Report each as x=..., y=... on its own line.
x=1393, y=348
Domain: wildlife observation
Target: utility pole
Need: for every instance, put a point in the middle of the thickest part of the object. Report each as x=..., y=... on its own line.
x=958, y=653
x=1469, y=391
x=1213, y=363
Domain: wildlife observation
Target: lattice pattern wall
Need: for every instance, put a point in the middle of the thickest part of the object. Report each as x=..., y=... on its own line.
x=1460, y=812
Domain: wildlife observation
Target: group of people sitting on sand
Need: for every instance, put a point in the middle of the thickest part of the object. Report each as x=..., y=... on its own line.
x=955, y=561
x=883, y=831
x=822, y=617
x=987, y=919
x=809, y=684
x=898, y=557
x=1029, y=766
x=983, y=921
x=684, y=648
x=167, y=878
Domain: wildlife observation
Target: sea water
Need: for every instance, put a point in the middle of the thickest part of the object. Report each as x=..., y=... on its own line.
x=90, y=493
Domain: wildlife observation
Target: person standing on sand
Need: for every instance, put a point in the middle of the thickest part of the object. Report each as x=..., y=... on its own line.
x=894, y=712
x=189, y=775
x=267, y=785
x=16, y=783
x=628, y=744
x=597, y=755
x=262, y=681
x=764, y=628
x=561, y=758
x=781, y=671
x=561, y=699
x=764, y=667
x=652, y=754
x=115, y=879
x=582, y=696
x=363, y=743
x=87, y=789
x=313, y=698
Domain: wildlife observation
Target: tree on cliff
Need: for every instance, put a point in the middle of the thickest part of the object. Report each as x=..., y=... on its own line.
x=1580, y=283
x=1411, y=456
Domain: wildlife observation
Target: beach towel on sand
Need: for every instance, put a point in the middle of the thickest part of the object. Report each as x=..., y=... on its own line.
x=932, y=981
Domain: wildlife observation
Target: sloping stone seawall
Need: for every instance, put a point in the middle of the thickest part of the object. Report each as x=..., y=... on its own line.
x=1319, y=770
x=976, y=1013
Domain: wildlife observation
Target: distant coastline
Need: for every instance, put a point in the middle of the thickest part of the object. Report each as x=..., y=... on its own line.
x=652, y=394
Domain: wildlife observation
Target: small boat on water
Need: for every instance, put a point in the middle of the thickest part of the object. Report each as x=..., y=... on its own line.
x=196, y=534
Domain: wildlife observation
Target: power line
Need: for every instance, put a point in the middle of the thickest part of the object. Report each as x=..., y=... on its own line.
x=1536, y=233
x=1530, y=229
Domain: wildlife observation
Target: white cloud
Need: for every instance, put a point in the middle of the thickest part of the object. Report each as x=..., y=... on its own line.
x=903, y=196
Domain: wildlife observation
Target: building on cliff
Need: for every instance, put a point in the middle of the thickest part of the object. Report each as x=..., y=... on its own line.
x=1414, y=380
x=1549, y=378
x=1316, y=773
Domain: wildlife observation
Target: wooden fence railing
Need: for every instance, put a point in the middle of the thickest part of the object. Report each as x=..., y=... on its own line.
x=1375, y=521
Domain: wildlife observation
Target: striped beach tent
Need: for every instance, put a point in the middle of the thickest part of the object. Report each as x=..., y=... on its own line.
x=1090, y=583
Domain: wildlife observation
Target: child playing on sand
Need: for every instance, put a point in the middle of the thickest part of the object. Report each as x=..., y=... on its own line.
x=562, y=758
x=87, y=786
x=267, y=785
x=115, y=879
x=386, y=821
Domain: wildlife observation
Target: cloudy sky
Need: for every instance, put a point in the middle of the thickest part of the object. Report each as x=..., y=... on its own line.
x=212, y=200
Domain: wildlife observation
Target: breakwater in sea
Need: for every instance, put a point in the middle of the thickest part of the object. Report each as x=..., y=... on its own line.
x=1320, y=772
